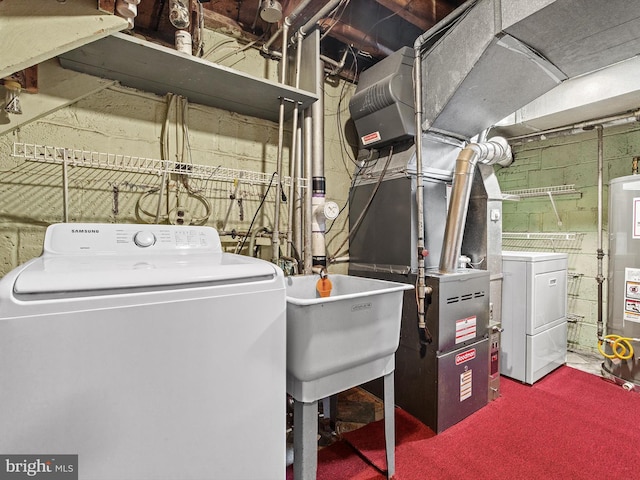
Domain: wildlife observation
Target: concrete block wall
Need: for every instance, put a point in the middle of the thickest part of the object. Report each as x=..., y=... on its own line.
x=566, y=160
x=125, y=121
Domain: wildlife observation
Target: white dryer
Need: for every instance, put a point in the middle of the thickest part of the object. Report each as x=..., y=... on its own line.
x=146, y=351
x=534, y=314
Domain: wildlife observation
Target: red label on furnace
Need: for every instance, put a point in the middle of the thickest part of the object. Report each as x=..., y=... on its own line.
x=465, y=356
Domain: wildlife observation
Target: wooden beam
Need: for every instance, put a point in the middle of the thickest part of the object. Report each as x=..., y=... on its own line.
x=32, y=31
x=422, y=13
x=107, y=6
x=58, y=88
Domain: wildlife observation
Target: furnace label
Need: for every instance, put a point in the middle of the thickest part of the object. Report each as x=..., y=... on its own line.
x=465, y=384
x=370, y=138
x=465, y=329
x=632, y=294
x=465, y=356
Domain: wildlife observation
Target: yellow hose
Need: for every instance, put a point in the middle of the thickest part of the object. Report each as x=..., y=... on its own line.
x=620, y=346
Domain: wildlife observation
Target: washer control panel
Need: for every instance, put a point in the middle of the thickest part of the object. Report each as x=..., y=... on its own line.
x=94, y=238
x=144, y=238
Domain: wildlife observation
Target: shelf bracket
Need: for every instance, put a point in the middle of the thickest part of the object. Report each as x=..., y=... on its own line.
x=553, y=204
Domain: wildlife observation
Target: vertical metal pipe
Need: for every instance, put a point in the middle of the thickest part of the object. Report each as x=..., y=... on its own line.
x=496, y=150
x=328, y=7
x=417, y=101
x=65, y=187
x=294, y=164
x=275, y=238
x=163, y=182
x=308, y=204
x=458, y=207
x=600, y=252
x=288, y=21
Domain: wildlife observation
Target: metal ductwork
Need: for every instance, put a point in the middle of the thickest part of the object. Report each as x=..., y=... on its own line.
x=596, y=95
x=485, y=61
x=496, y=150
x=500, y=55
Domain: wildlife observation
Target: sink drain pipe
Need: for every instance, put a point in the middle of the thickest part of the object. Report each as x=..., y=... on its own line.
x=318, y=180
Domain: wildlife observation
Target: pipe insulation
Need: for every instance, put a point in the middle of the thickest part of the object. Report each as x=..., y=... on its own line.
x=495, y=150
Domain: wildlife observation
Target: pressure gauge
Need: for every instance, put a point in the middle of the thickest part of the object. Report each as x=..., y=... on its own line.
x=331, y=210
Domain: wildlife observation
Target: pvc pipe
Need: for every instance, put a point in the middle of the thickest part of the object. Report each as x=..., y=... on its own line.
x=318, y=185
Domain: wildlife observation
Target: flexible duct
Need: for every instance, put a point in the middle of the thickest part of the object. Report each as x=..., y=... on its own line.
x=496, y=150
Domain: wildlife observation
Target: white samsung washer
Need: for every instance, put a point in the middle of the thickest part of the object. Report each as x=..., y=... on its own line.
x=146, y=351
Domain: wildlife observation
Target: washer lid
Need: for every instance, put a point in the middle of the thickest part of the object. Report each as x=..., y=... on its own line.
x=83, y=273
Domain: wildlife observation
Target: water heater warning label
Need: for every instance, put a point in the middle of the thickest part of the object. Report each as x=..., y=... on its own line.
x=632, y=294
x=636, y=218
x=465, y=329
x=465, y=385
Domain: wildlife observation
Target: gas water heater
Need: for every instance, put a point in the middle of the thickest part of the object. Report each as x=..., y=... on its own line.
x=623, y=319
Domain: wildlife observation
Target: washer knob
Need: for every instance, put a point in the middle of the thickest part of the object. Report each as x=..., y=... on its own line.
x=144, y=239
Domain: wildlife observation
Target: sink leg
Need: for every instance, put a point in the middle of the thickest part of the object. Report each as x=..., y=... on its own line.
x=389, y=424
x=305, y=444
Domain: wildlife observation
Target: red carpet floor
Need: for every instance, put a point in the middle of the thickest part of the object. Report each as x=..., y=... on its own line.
x=570, y=425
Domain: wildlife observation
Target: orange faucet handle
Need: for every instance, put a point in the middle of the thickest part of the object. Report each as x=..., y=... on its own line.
x=324, y=287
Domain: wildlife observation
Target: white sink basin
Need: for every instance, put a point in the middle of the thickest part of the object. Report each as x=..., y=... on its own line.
x=343, y=340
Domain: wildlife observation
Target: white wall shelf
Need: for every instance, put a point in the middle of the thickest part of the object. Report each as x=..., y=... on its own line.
x=540, y=192
x=548, y=192
x=125, y=163
x=154, y=68
x=544, y=236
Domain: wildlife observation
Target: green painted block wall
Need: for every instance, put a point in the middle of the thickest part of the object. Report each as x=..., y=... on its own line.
x=125, y=121
x=566, y=160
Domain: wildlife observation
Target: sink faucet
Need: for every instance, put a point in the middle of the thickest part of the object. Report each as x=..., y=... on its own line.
x=320, y=270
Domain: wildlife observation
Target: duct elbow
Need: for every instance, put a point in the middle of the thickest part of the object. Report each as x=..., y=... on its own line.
x=496, y=150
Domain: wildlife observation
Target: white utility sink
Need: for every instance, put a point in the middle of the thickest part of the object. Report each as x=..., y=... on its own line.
x=338, y=342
